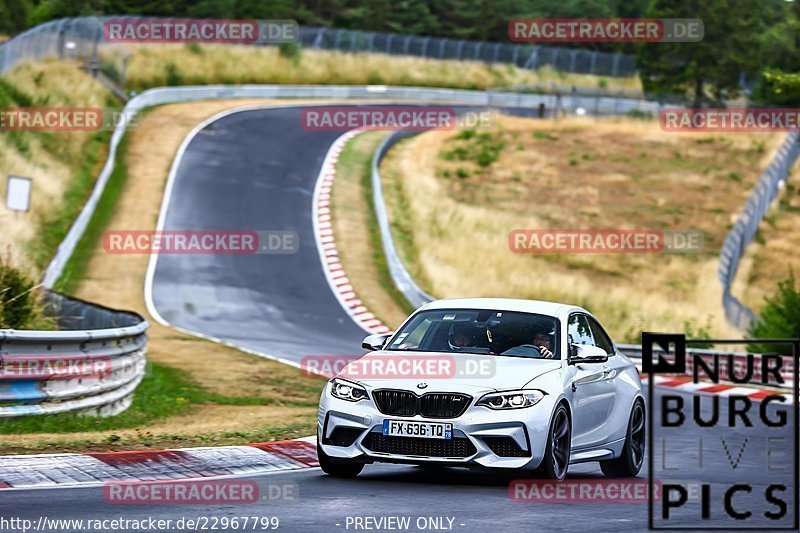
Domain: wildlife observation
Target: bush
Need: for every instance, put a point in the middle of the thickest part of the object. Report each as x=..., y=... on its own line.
x=292, y=51
x=18, y=299
x=780, y=316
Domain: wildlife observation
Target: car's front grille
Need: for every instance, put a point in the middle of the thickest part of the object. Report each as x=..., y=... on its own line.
x=430, y=405
x=396, y=402
x=457, y=447
x=343, y=436
x=505, y=447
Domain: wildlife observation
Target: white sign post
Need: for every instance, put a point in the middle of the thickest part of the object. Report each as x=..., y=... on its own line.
x=18, y=193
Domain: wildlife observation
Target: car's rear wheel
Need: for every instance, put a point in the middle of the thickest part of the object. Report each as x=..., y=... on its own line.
x=559, y=444
x=630, y=462
x=338, y=467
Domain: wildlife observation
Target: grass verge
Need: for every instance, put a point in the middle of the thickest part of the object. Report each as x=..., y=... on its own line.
x=357, y=234
x=455, y=196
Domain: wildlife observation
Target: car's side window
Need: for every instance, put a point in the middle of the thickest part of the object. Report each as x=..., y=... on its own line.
x=578, y=330
x=601, y=338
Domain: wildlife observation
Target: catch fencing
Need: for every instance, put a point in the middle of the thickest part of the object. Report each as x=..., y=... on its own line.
x=82, y=38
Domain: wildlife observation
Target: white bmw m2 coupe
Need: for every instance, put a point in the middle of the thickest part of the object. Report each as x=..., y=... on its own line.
x=487, y=383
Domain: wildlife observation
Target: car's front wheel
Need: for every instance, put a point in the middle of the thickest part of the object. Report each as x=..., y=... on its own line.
x=630, y=462
x=559, y=444
x=338, y=467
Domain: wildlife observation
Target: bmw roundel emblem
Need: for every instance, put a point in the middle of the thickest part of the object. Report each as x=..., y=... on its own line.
x=422, y=385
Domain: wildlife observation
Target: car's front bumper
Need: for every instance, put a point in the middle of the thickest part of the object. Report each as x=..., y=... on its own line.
x=480, y=426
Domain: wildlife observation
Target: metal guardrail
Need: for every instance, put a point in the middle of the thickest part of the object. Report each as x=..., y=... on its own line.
x=82, y=38
x=402, y=278
x=92, y=366
x=746, y=227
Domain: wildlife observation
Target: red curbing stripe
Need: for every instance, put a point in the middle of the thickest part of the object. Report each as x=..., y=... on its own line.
x=674, y=382
x=146, y=456
x=326, y=238
x=715, y=388
x=302, y=452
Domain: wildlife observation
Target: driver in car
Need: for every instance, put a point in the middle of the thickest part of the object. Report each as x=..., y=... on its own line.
x=541, y=343
x=460, y=336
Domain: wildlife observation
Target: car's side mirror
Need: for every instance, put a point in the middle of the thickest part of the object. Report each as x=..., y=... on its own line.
x=585, y=353
x=375, y=341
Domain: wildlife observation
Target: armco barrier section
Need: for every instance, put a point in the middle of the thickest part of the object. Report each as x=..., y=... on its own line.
x=82, y=38
x=746, y=226
x=402, y=278
x=92, y=365
x=167, y=95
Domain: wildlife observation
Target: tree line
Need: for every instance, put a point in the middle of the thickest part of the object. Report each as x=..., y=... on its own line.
x=750, y=45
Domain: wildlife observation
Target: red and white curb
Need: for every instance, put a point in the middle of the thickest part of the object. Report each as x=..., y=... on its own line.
x=93, y=469
x=685, y=384
x=326, y=243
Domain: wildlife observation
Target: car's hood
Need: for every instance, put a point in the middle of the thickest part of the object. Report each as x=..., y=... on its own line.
x=445, y=372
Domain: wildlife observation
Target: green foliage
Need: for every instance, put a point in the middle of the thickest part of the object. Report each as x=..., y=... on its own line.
x=173, y=76
x=481, y=148
x=18, y=299
x=697, y=332
x=291, y=51
x=708, y=71
x=775, y=87
x=780, y=315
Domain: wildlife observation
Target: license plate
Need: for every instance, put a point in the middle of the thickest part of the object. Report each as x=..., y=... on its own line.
x=425, y=430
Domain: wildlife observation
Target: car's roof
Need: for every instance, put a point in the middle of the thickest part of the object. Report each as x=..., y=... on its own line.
x=503, y=304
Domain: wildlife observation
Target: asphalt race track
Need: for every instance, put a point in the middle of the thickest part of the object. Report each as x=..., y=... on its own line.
x=253, y=171
x=475, y=501
x=257, y=170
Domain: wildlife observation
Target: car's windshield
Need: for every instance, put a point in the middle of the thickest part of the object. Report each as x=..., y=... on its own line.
x=480, y=331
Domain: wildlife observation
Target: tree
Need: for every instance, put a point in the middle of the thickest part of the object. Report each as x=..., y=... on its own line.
x=780, y=316
x=709, y=70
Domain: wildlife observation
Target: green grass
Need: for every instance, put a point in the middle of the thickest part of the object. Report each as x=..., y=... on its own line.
x=76, y=266
x=362, y=161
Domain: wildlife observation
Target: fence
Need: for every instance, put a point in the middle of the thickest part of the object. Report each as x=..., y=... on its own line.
x=82, y=38
x=746, y=226
x=93, y=365
x=524, y=56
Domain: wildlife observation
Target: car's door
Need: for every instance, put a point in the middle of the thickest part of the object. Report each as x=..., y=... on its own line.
x=592, y=386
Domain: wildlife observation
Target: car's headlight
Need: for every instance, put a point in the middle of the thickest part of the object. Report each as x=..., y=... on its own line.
x=516, y=399
x=346, y=390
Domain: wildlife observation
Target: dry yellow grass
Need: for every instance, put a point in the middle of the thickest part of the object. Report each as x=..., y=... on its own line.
x=52, y=159
x=156, y=65
x=576, y=174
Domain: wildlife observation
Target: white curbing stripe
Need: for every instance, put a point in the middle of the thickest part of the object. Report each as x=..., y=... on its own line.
x=326, y=241
x=97, y=469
